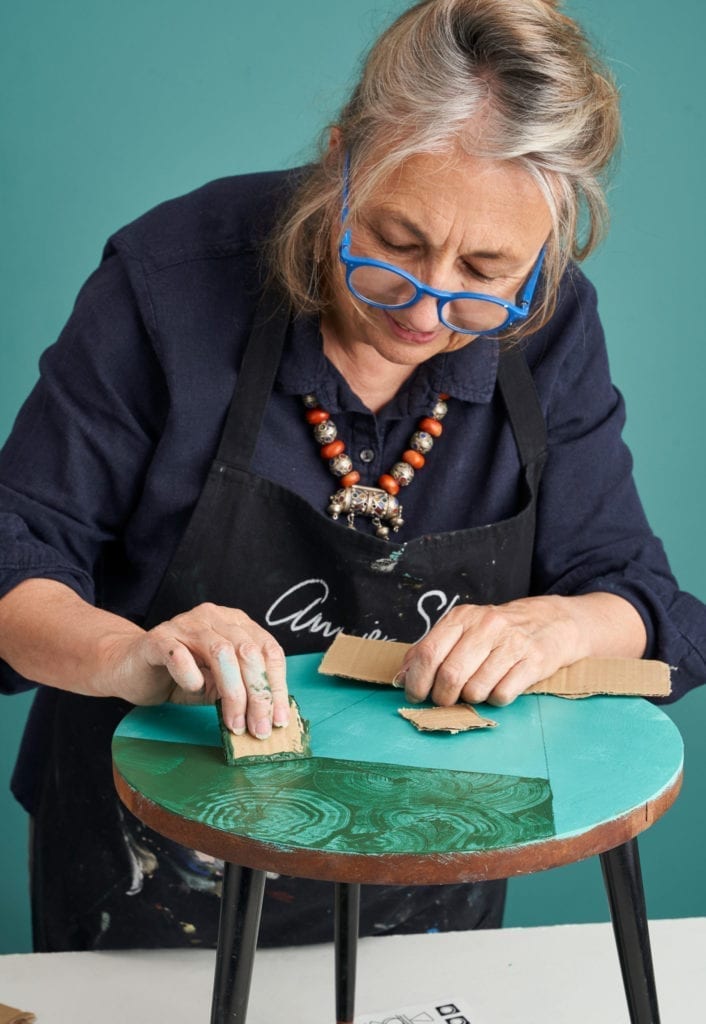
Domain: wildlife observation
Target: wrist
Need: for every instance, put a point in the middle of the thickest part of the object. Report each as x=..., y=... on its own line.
x=606, y=626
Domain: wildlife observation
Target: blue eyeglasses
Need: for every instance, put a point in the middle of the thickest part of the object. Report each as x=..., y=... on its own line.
x=386, y=286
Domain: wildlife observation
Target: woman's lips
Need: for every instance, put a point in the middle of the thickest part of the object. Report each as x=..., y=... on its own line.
x=419, y=337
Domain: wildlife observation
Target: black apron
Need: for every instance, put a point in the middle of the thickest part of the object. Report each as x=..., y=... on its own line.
x=101, y=879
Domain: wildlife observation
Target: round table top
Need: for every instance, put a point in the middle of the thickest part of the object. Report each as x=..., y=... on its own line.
x=380, y=802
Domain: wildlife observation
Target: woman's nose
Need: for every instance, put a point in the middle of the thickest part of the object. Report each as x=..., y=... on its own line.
x=423, y=316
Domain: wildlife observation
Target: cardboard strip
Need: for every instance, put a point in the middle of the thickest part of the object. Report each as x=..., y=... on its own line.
x=459, y=718
x=622, y=676
x=282, y=744
x=9, y=1015
x=355, y=657
x=379, y=661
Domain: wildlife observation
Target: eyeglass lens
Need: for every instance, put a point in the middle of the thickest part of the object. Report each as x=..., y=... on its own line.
x=387, y=288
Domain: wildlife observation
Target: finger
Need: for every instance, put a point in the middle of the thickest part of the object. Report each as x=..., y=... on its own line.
x=177, y=659
x=421, y=664
x=502, y=676
x=514, y=683
x=462, y=663
x=259, y=692
x=229, y=683
x=275, y=667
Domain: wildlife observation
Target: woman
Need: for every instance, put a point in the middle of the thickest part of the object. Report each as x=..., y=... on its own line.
x=407, y=308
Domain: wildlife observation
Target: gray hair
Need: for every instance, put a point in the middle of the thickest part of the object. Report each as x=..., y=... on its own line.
x=508, y=81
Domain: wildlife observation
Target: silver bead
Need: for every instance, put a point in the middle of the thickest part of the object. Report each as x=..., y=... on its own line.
x=422, y=442
x=335, y=510
x=310, y=401
x=396, y=522
x=440, y=410
x=402, y=473
x=383, y=532
x=340, y=465
x=325, y=432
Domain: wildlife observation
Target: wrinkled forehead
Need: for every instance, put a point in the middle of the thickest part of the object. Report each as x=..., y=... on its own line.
x=457, y=197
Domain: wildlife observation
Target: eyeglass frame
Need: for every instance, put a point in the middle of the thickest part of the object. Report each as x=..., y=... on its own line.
x=514, y=312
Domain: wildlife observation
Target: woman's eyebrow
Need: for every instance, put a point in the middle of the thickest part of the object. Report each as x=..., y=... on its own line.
x=480, y=254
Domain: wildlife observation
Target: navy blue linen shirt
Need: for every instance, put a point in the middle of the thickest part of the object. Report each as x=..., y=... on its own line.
x=110, y=451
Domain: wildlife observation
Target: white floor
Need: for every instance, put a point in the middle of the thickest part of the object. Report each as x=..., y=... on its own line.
x=564, y=975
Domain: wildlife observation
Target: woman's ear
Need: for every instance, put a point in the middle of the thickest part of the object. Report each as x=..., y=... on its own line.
x=334, y=138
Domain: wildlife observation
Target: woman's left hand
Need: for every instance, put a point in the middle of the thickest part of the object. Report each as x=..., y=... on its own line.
x=493, y=653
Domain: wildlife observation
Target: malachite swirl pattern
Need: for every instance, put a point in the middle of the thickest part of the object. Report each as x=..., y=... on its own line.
x=339, y=806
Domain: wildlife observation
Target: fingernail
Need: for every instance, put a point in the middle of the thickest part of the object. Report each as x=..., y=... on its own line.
x=263, y=729
x=281, y=719
x=238, y=726
x=398, y=681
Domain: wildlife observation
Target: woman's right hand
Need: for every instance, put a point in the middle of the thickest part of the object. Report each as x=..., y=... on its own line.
x=51, y=635
x=199, y=656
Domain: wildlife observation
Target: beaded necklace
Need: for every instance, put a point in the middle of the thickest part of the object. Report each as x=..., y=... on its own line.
x=379, y=504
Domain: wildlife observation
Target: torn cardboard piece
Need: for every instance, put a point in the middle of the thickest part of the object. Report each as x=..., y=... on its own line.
x=379, y=661
x=459, y=718
x=9, y=1015
x=282, y=744
x=627, y=677
x=355, y=657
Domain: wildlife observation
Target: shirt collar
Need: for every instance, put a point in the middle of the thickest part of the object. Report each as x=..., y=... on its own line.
x=468, y=375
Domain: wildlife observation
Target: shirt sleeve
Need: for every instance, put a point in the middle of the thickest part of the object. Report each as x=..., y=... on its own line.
x=74, y=463
x=592, y=533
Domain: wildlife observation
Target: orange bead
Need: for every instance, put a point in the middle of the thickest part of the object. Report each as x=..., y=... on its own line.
x=389, y=484
x=443, y=396
x=431, y=426
x=315, y=416
x=350, y=479
x=331, y=450
x=415, y=459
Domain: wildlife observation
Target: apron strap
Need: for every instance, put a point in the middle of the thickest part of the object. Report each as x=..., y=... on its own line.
x=256, y=378
x=522, y=404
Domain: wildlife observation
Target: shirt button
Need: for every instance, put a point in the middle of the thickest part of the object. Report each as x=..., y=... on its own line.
x=367, y=455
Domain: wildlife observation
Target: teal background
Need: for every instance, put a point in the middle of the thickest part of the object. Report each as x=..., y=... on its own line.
x=107, y=108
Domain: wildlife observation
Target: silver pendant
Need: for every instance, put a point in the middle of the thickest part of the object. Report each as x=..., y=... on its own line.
x=371, y=502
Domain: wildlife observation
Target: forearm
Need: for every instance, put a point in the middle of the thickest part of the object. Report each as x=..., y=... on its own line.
x=50, y=635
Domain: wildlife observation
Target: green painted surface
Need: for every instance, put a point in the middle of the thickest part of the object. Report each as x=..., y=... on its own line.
x=339, y=806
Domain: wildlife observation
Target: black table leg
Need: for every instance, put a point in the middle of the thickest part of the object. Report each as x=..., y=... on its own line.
x=346, y=914
x=623, y=882
x=241, y=906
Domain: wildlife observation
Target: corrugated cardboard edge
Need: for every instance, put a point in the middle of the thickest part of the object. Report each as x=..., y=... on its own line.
x=459, y=718
x=282, y=745
x=379, y=661
x=9, y=1015
x=628, y=677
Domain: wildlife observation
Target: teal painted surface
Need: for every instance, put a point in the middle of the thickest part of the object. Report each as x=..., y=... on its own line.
x=107, y=109
x=601, y=758
x=359, y=721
